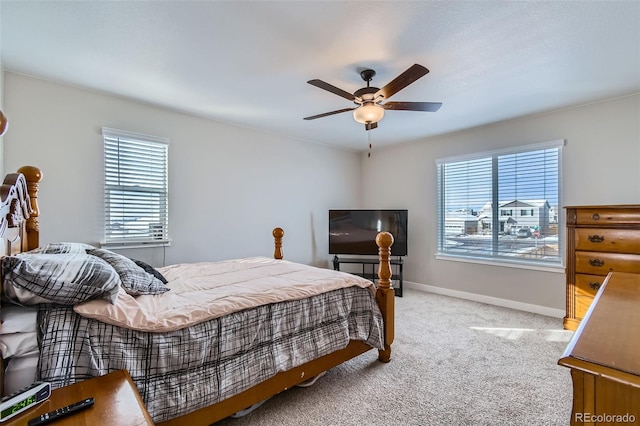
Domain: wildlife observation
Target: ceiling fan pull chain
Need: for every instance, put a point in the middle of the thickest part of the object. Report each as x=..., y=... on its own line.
x=369, y=138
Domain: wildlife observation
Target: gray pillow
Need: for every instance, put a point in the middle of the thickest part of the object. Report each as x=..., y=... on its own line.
x=64, y=247
x=150, y=270
x=135, y=280
x=65, y=279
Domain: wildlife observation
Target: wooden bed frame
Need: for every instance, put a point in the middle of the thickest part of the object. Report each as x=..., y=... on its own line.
x=19, y=231
x=19, y=228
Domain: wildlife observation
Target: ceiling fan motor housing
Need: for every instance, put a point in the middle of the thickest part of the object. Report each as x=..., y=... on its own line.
x=366, y=94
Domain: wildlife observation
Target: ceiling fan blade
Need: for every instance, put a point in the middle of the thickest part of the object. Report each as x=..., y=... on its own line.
x=313, y=117
x=370, y=126
x=413, y=106
x=333, y=89
x=403, y=80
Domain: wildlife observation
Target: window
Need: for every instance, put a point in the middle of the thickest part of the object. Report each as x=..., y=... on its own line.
x=486, y=189
x=135, y=189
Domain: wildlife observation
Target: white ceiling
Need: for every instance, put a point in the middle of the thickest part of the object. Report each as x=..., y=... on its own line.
x=247, y=63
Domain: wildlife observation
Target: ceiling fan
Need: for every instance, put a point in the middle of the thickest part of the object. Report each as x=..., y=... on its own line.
x=370, y=109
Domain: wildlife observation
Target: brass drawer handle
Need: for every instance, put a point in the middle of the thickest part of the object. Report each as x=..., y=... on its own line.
x=595, y=285
x=596, y=238
x=595, y=216
x=596, y=262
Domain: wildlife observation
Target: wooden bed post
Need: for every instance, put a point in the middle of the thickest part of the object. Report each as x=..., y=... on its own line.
x=33, y=176
x=385, y=295
x=278, y=233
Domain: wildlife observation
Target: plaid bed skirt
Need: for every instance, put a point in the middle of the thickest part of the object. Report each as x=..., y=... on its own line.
x=181, y=371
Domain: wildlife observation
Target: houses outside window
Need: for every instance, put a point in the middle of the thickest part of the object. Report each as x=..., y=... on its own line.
x=510, y=196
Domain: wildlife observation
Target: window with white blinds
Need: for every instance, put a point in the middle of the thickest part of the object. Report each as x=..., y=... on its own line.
x=136, y=205
x=502, y=205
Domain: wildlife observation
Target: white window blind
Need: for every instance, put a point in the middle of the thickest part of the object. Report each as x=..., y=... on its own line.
x=135, y=189
x=502, y=205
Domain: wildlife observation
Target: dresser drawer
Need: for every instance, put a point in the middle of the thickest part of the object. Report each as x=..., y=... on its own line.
x=588, y=285
x=607, y=216
x=609, y=240
x=599, y=263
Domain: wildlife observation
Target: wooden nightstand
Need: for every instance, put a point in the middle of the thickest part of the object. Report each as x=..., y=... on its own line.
x=117, y=403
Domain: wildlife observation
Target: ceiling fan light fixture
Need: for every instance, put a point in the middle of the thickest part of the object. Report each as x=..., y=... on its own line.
x=368, y=112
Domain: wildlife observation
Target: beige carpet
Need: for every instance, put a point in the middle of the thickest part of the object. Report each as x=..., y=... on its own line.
x=455, y=362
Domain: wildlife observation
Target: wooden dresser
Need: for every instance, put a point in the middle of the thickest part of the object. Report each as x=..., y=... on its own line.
x=604, y=356
x=600, y=239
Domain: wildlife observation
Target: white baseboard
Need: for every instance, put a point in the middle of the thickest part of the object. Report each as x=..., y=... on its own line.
x=505, y=303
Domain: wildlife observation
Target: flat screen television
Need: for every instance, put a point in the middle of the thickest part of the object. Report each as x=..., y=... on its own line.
x=354, y=231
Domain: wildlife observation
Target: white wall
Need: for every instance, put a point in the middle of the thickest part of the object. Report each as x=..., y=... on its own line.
x=601, y=165
x=1, y=108
x=229, y=186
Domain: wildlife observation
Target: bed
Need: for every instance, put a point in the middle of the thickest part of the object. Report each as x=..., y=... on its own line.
x=220, y=370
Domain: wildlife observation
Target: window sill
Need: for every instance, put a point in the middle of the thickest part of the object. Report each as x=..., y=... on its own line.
x=559, y=269
x=136, y=245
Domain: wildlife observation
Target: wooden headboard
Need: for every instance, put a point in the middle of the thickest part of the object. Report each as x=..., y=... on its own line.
x=19, y=227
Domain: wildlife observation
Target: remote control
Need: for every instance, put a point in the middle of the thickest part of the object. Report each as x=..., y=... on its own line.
x=61, y=412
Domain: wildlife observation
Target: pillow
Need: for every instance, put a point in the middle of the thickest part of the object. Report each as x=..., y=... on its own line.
x=58, y=248
x=18, y=319
x=65, y=279
x=18, y=344
x=20, y=372
x=135, y=280
x=150, y=270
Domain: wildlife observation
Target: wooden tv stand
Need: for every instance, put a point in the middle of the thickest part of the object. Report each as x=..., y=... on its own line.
x=604, y=355
x=372, y=274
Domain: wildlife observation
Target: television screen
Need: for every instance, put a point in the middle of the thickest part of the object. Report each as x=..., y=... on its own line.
x=354, y=231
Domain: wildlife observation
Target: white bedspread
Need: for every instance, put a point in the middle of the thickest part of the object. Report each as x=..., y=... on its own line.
x=208, y=290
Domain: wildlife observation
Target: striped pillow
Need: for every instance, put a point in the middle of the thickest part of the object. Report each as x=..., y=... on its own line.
x=58, y=248
x=65, y=279
x=135, y=280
